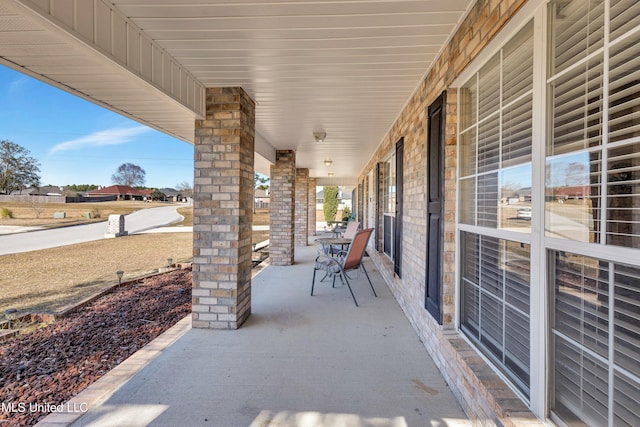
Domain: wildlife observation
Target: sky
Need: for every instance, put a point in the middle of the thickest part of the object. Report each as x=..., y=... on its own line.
x=77, y=142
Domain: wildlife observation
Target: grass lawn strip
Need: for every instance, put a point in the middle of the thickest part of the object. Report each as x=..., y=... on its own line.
x=52, y=279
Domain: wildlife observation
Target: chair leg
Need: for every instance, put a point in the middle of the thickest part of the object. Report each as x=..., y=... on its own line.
x=370, y=284
x=349, y=286
x=313, y=280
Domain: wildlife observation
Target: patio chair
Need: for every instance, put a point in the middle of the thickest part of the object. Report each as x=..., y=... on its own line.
x=348, y=233
x=344, y=262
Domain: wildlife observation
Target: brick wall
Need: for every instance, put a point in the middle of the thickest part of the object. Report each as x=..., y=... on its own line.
x=222, y=210
x=480, y=391
x=281, y=218
x=311, y=207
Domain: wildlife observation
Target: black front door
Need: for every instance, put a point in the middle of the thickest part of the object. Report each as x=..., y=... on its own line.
x=435, y=223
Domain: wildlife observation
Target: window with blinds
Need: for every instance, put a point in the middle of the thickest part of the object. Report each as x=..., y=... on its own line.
x=495, y=302
x=591, y=298
x=581, y=104
x=497, y=118
x=592, y=196
x=587, y=275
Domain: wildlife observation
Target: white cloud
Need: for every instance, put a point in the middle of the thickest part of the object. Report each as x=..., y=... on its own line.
x=15, y=87
x=114, y=136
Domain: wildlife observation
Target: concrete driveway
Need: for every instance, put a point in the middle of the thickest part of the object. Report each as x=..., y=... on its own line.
x=42, y=239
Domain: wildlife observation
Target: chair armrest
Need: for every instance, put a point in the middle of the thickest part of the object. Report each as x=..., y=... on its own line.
x=321, y=256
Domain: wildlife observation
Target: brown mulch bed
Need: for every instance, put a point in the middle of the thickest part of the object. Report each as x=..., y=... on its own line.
x=53, y=364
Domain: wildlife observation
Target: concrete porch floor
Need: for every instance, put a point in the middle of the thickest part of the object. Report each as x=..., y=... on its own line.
x=298, y=361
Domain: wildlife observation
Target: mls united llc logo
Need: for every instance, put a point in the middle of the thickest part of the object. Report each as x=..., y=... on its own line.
x=45, y=408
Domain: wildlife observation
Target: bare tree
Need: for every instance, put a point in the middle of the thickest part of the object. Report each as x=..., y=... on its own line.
x=185, y=189
x=18, y=170
x=129, y=174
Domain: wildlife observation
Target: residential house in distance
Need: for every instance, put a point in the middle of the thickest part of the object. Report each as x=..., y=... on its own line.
x=47, y=190
x=173, y=195
x=122, y=192
x=261, y=199
x=345, y=199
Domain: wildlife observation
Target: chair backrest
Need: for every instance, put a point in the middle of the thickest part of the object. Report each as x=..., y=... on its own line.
x=352, y=228
x=356, y=249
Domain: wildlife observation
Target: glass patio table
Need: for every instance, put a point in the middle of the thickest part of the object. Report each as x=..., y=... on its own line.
x=327, y=243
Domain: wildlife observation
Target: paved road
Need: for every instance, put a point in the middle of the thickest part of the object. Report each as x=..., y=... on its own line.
x=42, y=239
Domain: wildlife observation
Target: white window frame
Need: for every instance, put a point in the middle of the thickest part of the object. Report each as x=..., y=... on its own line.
x=541, y=364
x=539, y=339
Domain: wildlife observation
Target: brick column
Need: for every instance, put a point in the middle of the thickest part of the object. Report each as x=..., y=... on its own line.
x=282, y=204
x=311, y=186
x=222, y=211
x=302, y=207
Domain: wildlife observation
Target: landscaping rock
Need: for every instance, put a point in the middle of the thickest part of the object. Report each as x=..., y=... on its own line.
x=53, y=364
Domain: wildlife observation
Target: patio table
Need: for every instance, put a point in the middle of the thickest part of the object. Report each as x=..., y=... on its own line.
x=327, y=242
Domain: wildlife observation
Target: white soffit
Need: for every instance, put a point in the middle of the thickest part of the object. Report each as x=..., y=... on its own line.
x=343, y=67
x=89, y=49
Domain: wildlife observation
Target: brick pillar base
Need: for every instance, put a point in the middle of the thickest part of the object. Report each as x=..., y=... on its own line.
x=222, y=210
x=281, y=220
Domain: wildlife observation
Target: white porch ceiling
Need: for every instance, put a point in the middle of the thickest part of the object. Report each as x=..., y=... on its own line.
x=343, y=67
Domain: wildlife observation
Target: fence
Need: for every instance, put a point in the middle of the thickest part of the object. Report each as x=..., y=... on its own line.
x=53, y=199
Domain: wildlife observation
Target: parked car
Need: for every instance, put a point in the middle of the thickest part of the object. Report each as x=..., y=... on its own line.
x=524, y=213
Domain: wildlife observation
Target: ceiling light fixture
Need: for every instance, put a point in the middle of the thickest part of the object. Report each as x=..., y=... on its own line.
x=319, y=136
x=328, y=162
x=330, y=174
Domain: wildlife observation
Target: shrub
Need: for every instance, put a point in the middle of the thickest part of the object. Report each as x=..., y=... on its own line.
x=330, y=203
x=6, y=213
x=346, y=213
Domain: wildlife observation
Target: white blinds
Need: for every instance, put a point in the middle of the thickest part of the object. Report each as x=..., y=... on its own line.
x=517, y=125
x=625, y=15
x=623, y=196
x=496, y=119
x=581, y=325
x=577, y=97
x=495, y=287
x=578, y=30
x=489, y=88
x=624, y=90
x=517, y=63
x=593, y=196
x=577, y=108
x=627, y=318
x=487, y=195
x=626, y=344
x=496, y=110
x=467, y=205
